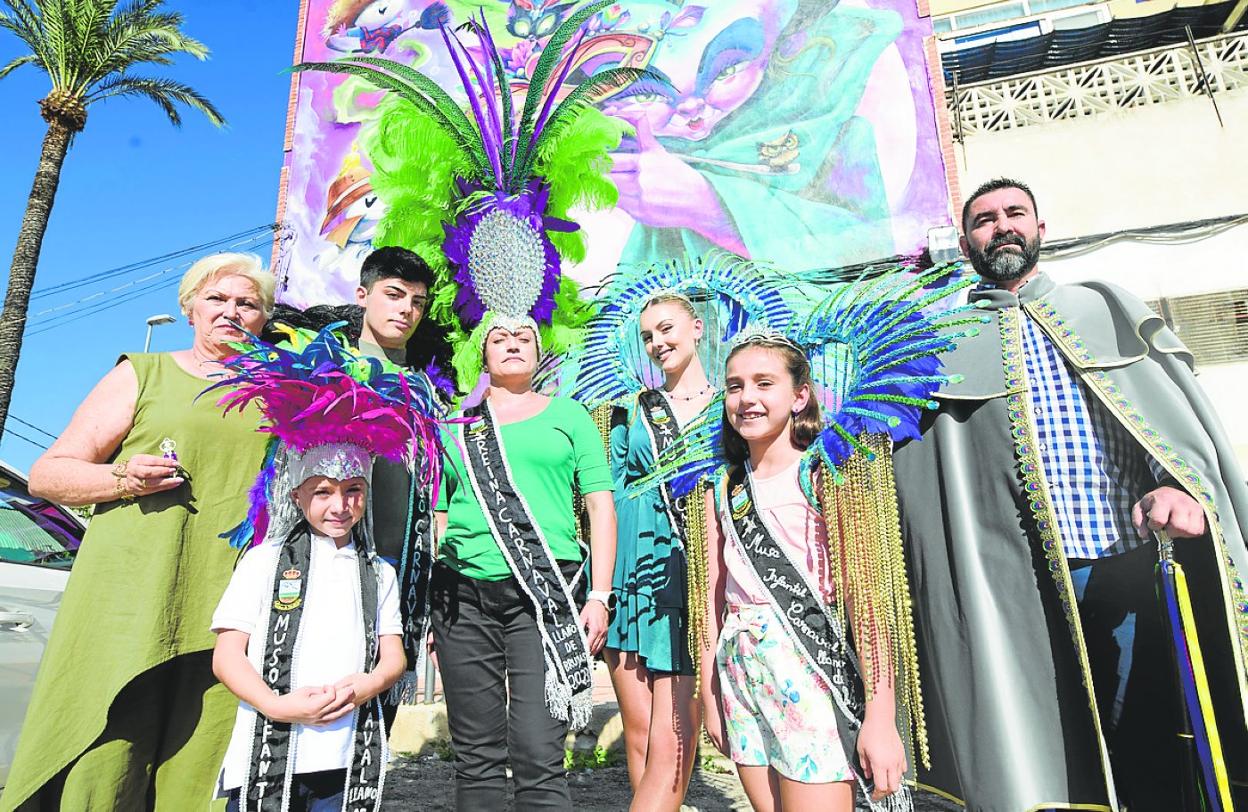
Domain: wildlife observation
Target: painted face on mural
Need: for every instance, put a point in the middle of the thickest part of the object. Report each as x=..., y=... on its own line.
x=535, y=19
x=710, y=60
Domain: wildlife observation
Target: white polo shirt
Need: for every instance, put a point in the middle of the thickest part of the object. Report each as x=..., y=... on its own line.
x=331, y=643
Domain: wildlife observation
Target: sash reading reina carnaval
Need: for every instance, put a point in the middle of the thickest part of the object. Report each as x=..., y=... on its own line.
x=569, y=678
x=806, y=618
x=271, y=760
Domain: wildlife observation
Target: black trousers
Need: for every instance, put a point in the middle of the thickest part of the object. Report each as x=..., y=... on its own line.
x=1136, y=688
x=493, y=675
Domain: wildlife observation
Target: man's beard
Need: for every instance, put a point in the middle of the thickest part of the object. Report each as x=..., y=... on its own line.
x=1004, y=266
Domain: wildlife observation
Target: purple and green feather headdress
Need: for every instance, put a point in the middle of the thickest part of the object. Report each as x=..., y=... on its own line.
x=482, y=190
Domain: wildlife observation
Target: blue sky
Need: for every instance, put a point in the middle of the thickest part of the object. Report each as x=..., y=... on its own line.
x=135, y=187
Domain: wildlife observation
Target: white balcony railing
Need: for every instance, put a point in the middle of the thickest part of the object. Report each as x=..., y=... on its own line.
x=1102, y=86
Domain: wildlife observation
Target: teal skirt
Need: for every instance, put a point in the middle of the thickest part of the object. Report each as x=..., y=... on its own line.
x=651, y=616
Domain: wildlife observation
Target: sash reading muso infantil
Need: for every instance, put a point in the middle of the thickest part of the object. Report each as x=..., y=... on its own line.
x=569, y=678
x=805, y=617
x=271, y=761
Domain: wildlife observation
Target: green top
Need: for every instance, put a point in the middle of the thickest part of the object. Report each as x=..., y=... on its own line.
x=546, y=453
x=148, y=575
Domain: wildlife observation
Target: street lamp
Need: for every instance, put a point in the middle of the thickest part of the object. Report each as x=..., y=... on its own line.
x=154, y=321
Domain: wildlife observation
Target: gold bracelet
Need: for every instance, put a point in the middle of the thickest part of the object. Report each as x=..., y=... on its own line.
x=122, y=492
x=119, y=469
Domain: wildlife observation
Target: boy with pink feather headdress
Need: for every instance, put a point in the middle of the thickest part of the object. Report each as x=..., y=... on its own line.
x=308, y=631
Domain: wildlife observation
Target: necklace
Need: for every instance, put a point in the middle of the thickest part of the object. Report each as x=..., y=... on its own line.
x=704, y=390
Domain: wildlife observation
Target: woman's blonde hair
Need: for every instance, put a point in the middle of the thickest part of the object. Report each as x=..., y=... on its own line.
x=215, y=266
x=671, y=297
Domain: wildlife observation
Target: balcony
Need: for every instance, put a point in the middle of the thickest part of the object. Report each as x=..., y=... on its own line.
x=1107, y=85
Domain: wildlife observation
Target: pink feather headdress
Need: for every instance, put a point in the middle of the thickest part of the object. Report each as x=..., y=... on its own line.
x=329, y=411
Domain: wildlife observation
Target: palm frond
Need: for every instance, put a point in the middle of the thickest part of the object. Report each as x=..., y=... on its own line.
x=165, y=93
x=89, y=20
x=23, y=22
x=130, y=39
x=24, y=59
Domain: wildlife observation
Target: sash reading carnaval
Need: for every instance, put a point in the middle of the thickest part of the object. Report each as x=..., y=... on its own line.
x=415, y=569
x=566, y=651
x=795, y=600
x=661, y=425
x=271, y=760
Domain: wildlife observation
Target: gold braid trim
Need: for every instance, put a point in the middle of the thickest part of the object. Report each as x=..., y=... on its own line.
x=868, y=570
x=696, y=580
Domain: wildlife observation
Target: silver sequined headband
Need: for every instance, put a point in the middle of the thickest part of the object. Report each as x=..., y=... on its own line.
x=763, y=336
x=513, y=325
x=334, y=460
x=665, y=295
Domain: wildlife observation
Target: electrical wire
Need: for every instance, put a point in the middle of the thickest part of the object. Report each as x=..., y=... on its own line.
x=27, y=439
x=256, y=237
x=28, y=425
x=69, y=318
x=121, y=270
x=52, y=322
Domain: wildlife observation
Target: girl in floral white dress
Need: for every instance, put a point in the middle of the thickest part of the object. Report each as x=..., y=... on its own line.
x=782, y=695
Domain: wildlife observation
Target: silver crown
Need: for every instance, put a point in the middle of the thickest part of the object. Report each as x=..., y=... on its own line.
x=763, y=335
x=666, y=294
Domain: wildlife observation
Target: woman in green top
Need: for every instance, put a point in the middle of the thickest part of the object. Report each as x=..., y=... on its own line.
x=126, y=713
x=513, y=646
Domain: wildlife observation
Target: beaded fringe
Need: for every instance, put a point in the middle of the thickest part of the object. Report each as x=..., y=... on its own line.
x=696, y=580
x=602, y=420
x=869, y=571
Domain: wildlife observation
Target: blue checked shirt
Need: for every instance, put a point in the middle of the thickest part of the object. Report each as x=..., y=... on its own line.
x=1095, y=469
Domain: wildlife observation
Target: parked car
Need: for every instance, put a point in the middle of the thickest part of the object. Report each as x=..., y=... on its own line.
x=38, y=542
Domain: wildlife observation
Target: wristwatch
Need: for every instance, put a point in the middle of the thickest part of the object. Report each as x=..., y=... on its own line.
x=604, y=596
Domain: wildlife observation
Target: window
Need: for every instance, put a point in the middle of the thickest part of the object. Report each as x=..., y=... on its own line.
x=33, y=530
x=1214, y=326
x=992, y=14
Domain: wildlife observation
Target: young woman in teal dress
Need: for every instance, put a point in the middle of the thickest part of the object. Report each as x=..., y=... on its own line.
x=647, y=642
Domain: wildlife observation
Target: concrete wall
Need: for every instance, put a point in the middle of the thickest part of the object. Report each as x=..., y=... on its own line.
x=1160, y=164
x=1151, y=271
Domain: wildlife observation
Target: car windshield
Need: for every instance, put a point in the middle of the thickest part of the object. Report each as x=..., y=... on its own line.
x=33, y=530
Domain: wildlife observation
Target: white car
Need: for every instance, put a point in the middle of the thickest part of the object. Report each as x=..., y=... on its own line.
x=38, y=541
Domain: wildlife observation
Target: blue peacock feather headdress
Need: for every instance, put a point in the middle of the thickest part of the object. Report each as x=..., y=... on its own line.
x=728, y=292
x=873, y=346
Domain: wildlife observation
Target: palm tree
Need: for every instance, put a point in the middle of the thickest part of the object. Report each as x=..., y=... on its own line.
x=87, y=48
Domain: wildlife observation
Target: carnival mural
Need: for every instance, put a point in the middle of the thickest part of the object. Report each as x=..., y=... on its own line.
x=796, y=132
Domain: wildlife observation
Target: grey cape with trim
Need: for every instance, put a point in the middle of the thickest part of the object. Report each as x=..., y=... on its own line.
x=1010, y=718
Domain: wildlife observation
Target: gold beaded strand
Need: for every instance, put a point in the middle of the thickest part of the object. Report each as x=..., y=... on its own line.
x=868, y=568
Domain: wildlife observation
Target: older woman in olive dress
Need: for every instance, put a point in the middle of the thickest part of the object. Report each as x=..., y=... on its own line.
x=126, y=713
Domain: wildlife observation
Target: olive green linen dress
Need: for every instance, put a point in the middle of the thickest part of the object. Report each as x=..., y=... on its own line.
x=126, y=713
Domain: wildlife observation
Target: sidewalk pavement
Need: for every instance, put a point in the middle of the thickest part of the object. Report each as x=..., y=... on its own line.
x=419, y=727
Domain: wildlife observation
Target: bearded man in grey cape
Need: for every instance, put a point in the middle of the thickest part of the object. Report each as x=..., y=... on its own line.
x=1076, y=433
